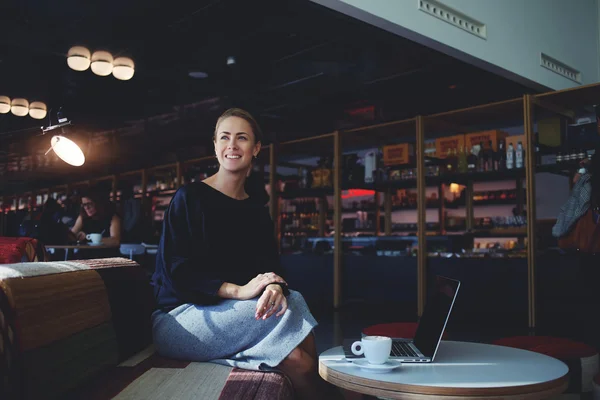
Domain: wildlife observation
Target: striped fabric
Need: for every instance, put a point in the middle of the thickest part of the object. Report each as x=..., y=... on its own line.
x=252, y=385
x=62, y=323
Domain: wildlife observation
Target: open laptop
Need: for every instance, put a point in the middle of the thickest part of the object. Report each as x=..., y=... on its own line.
x=430, y=329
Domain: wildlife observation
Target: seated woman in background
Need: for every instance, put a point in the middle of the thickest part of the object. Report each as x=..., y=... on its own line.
x=98, y=215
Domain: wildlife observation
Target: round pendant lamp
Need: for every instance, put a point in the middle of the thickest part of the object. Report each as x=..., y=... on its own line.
x=38, y=110
x=102, y=63
x=67, y=150
x=4, y=105
x=123, y=68
x=78, y=58
x=19, y=107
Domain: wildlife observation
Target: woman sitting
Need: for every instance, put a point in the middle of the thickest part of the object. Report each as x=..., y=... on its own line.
x=218, y=283
x=97, y=215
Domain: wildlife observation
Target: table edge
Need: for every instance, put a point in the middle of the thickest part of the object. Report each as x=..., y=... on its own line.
x=354, y=382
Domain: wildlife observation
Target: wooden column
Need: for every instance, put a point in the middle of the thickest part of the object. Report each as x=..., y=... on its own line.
x=441, y=208
x=469, y=205
x=337, y=219
x=274, y=203
x=421, y=226
x=530, y=198
x=387, y=207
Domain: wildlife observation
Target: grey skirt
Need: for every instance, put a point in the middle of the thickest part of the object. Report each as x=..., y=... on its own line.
x=228, y=333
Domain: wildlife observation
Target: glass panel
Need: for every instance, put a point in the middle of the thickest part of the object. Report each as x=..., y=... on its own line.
x=567, y=137
x=476, y=209
x=305, y=186
x=475, y=162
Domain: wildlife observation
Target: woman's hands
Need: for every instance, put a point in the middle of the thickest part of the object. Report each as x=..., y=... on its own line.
x=271, y=300
x=81, y=236
x=256, y=285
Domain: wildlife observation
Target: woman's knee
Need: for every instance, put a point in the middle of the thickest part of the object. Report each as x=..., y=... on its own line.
x=300, y=361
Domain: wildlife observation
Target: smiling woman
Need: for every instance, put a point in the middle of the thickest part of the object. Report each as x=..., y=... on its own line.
x=218, y=282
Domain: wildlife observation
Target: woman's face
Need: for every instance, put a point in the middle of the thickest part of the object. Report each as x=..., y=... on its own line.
x=235, y=145
x=89, y=206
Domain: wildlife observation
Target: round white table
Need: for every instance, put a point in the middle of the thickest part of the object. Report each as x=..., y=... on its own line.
x=461, y=370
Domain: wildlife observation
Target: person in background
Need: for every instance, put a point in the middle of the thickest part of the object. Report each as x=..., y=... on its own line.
x=218, y=281
x=577, y=227
x=98, y=215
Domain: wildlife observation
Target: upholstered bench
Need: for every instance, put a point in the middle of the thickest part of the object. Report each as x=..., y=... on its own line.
x=581, y=359
x=82, y=330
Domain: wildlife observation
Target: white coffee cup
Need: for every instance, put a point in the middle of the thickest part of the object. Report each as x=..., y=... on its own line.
x=95, y=238
x=375, y=348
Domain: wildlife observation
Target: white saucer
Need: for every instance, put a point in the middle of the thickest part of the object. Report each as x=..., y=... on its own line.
x=95, y=244
x=376, y=368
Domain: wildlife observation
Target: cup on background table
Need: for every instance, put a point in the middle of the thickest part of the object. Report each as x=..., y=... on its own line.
x=375, y=348
x=95, y=238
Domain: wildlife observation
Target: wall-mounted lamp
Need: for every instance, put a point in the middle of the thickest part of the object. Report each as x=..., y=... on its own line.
x=78, y=58
x=66, y=149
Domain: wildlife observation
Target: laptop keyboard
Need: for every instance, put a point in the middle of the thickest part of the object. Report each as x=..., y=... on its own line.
x=402, y=349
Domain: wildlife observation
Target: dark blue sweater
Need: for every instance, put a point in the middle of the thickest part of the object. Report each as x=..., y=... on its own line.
x=210, y=238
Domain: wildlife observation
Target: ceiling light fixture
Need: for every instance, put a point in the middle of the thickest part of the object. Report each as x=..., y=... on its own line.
x=78, y=58
x=4, y=105
x=102, y=63
x=19, y=107
x=37, y=110
x=123, y=68
x=230, y=60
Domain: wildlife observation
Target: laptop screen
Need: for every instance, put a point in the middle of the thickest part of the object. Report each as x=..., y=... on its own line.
x=435, y=315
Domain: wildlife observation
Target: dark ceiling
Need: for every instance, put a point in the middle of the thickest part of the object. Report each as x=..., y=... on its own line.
x=300, y=68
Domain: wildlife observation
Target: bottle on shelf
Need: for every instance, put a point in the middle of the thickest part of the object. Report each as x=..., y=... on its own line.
x=574, y=156
x=450, y=162
x=462, y=160
x=483, y=157
x=519, y=156
x=471, y=161
x=489, y=151
x=510, y=157
x=501, y=156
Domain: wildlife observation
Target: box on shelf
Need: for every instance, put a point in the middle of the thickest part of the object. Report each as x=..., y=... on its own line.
x=484, y=137
x=550, y=131
x=515, y=139
x=443, y=144
x=397, y=154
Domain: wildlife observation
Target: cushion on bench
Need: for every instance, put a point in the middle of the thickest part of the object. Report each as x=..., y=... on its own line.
x=63, y=322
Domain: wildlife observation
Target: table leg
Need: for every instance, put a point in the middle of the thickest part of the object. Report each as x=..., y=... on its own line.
x=66, y=254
